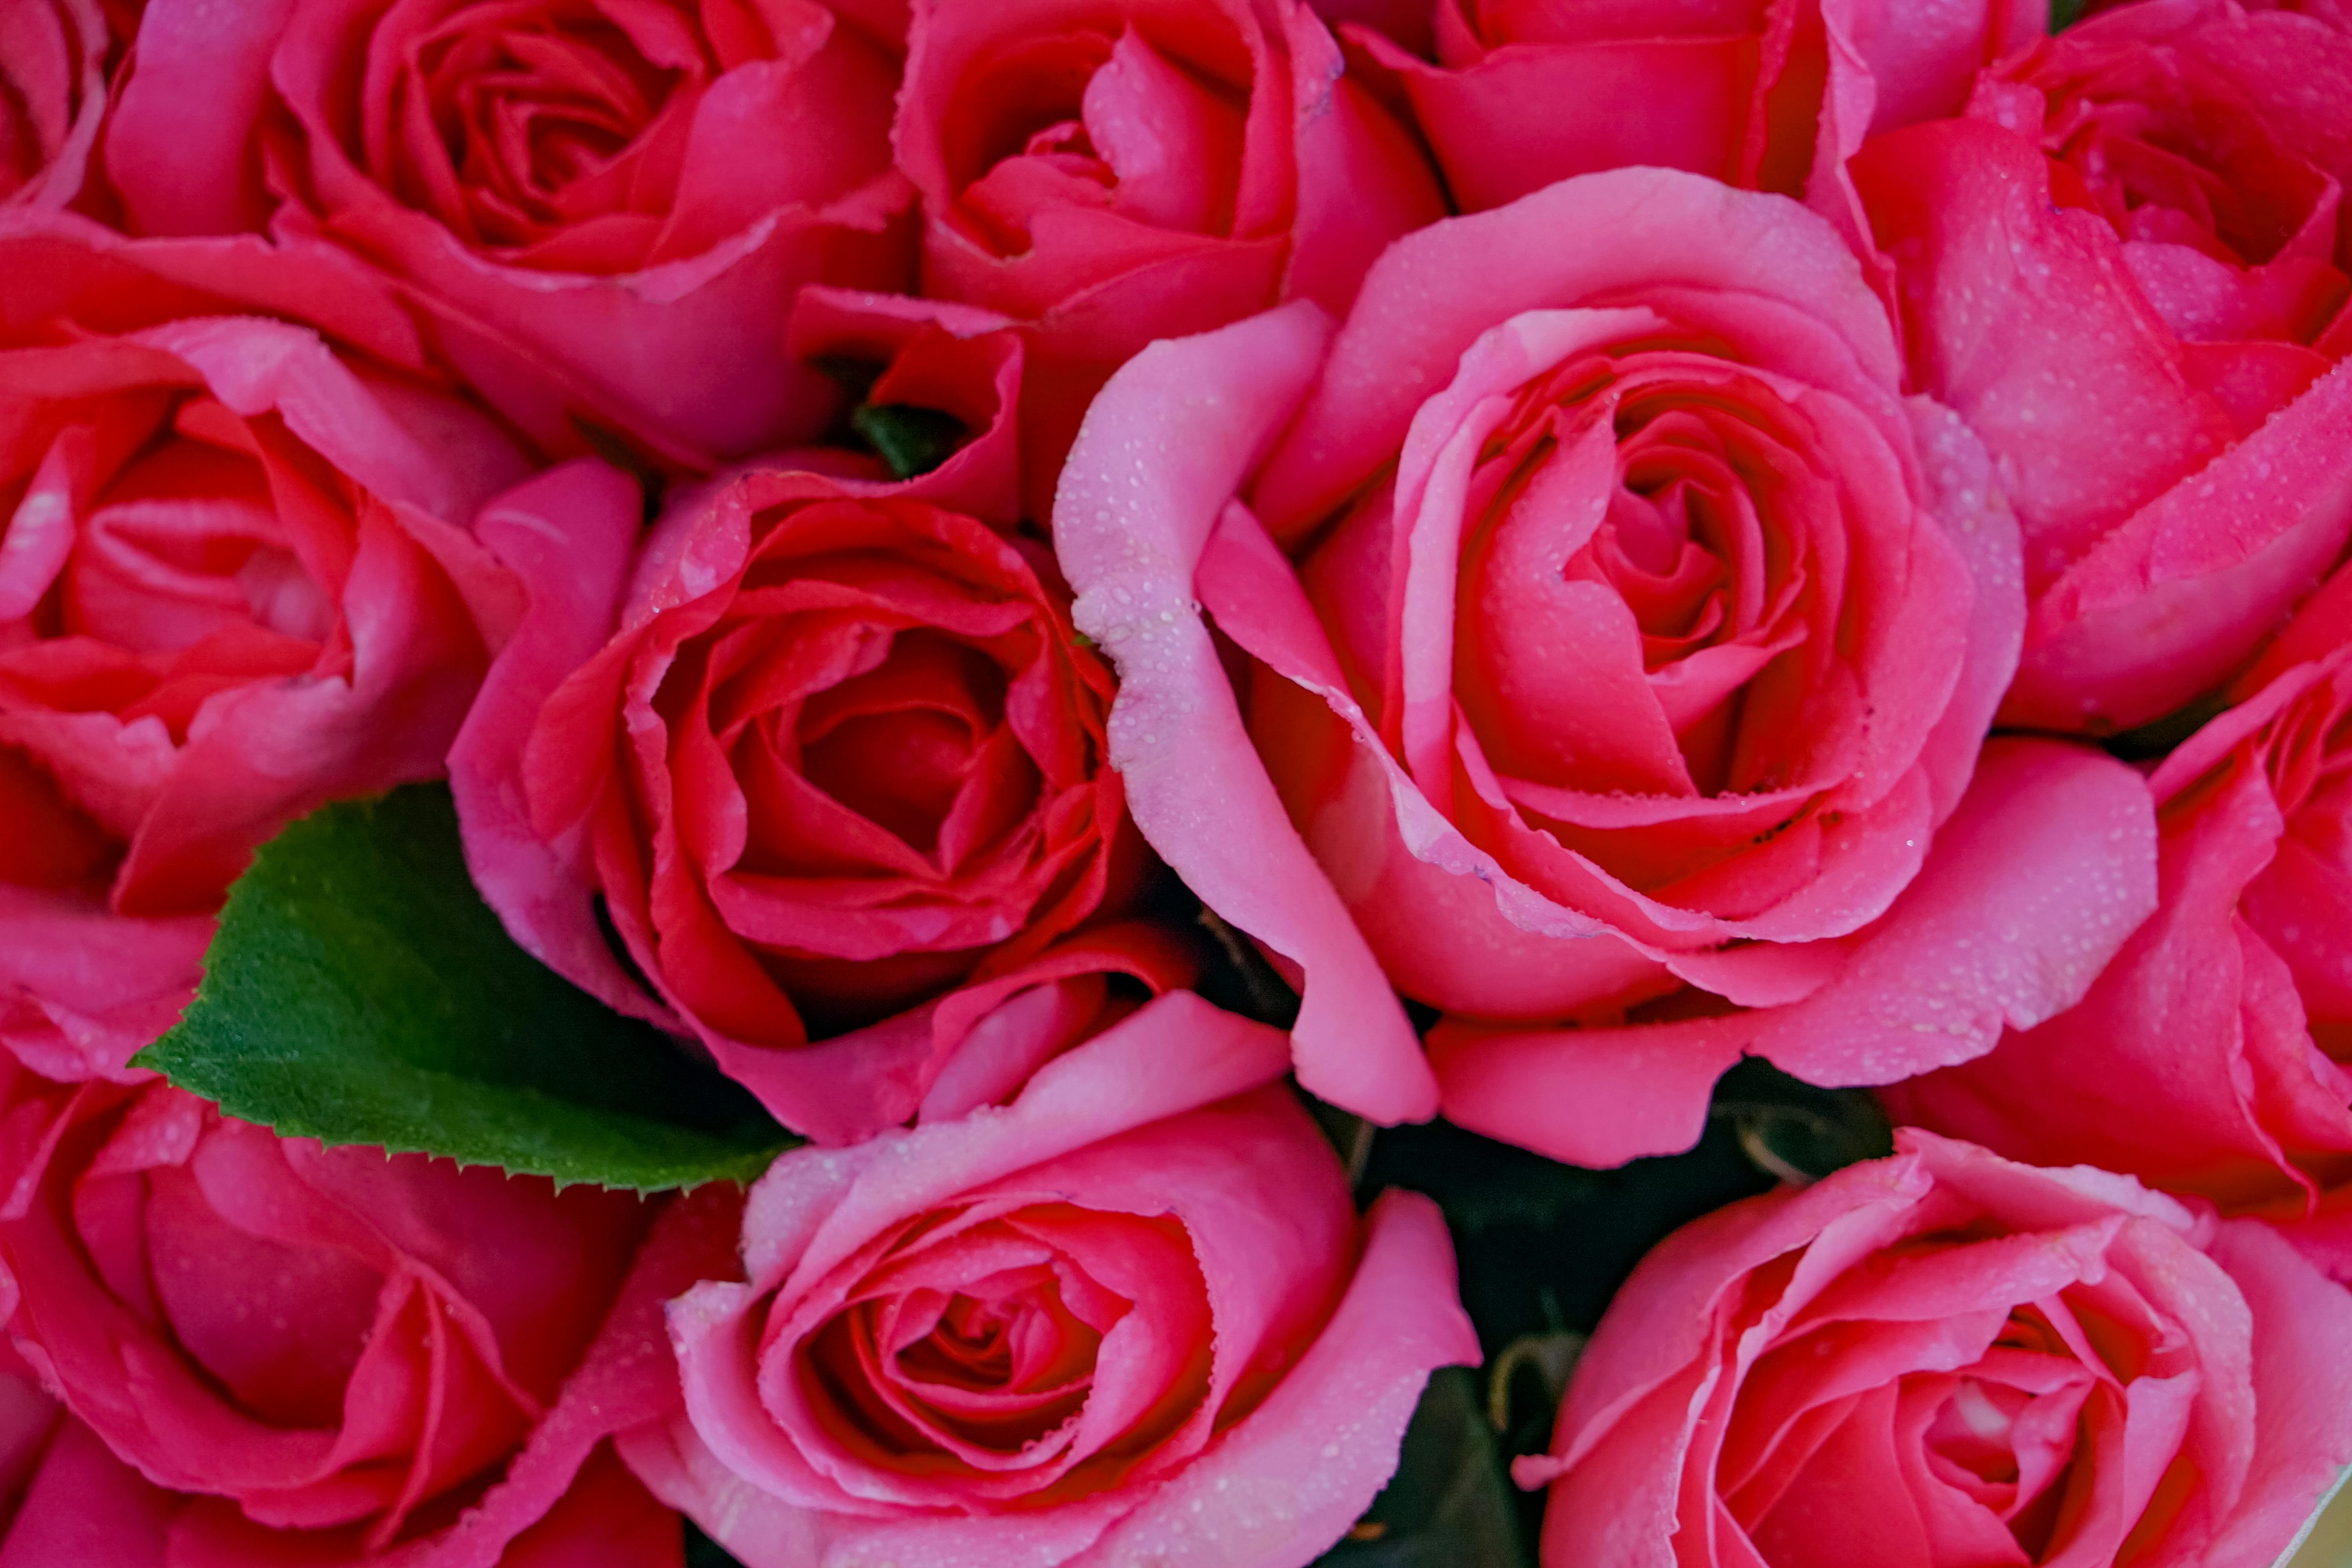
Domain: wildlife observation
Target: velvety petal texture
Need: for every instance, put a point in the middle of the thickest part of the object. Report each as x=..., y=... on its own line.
x=2136, y=228
x=1050, y=1332
x=1113, y=174
x=1943, y=1359
x=843, y=754
x=1771, y=97
x=54, y=60
x=2209, y=1056
x=273, y=1352
x=1640, y=645
x=236, y=580
x=599, y=213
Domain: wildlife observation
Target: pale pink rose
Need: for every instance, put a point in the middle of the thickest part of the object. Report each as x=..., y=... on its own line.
x=277, y=1353
x=1942, y=1359
x=236, y=581
x=1626, y=700
x=1132, y=1316
x=599, y=215
x=1111, y=174
x=2127, y=270
x=2210, y=1055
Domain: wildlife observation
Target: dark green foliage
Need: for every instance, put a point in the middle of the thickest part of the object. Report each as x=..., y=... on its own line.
x=360, y=992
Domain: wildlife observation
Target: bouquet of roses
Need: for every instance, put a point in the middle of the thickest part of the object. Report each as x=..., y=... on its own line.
x=1175, y=784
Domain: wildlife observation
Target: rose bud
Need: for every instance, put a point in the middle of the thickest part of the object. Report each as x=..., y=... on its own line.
x=2136, y=218
x=273, y=1352
x=1641, y=644
x=1772, y=98
x=2207, y=1056
x=1945, y=1360
x=600, y=219
x=235, y=581
x=1113, y=175
x=1130, y=1317
x=842, y=755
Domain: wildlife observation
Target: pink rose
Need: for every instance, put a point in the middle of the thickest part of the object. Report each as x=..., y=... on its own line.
x=1640, y=655
x=1765, y=97
x=54, y=60
x=2207, y=1055
x=1130, y=1317
x=274, y=1352
x=234, y=582
x=600, y=216
x=2126, y=270
x=1945, y=1359
x=1114, y=174
x=84, y=1505
x=843, y=754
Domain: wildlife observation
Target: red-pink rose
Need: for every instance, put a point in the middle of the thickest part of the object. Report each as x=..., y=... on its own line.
x=54, y=60
x=1943, y=1359
x=1771, y=97
x=2126, y=270
x=2208, y=1056
x=1114, y=174
x=1645, y=637
x=600, y=213
x=278, y=1353
x=234, y=582
x=1130, y=1317
x=843, y=753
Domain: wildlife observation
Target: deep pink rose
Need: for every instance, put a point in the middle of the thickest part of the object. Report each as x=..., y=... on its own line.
x=1943, y=1359
x=1641, y=650
x=54, y=56
x=235, y=581
x=276, y=1353
x=1132, y=1317
x=842, y=755
x=2208, y=1056
x=1771, y=97
x=1110, y=173
x=2126, y=268
x=600, y=213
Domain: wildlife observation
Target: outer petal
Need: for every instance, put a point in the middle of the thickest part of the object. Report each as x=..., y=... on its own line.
x=569, y=535
x=179, y=146
x=2031, y=887
x=1159, y=457
x=2302, y=1393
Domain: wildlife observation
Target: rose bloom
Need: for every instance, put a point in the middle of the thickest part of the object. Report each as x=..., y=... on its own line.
x=1641, y=650
x=1110, y=175
x=53, y=78
x=1130, y=1317
x=273, y=1352
x=843, y=754
x=1947, y=1360
x=1765, y=97
x=600, y=214
x=234, y=582
x=2142, y=218
x=2207, y=1058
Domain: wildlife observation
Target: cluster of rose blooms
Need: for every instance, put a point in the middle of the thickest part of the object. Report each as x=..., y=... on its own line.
x=1805, y=529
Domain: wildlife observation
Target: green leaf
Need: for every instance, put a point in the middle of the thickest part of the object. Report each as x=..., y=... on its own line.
x=911, y=439
x=1451, y=1504
x=360, y=992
